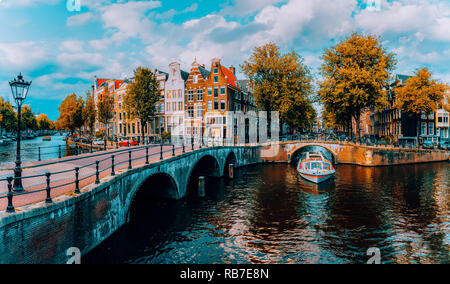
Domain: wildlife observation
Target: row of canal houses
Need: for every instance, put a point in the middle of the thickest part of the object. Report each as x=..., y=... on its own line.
x=192, y=103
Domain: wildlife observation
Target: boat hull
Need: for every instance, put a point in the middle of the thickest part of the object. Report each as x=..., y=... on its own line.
x=316, y=178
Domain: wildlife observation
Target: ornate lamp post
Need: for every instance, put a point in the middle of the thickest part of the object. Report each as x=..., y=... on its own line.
x=19, y=89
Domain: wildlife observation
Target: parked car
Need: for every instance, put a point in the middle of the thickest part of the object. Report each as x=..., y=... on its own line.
x=444, y=145
x=134, y=143
x=98, y=142
x=123, y=144
x=428, y=144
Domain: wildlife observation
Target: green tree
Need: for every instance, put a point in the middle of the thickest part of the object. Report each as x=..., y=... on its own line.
x=421, y=95
x=356, y=76
x=89, y=112
x=141, y=97
x=8, y=117
x=105, y=110
x=281, y=83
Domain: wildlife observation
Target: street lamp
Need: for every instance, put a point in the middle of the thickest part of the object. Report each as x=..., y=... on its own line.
x=19, y=89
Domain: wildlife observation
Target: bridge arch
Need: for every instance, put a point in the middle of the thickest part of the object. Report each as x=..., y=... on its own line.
x=160, y=184
x=231, y=159
x=207, y=166
x=294, y=155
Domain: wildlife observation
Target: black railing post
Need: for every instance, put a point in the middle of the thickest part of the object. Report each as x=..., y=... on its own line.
x=77, y=180
x=59, y=151
x=192, y=145
x=91, y=147
x=10, y=208
x=48, y=189
x=129, y=160
x=146, y=155
x=184, y=151
x=97, y=173
x=161, y=152
x=113, y=171
x=39, y=151
x=173, y=150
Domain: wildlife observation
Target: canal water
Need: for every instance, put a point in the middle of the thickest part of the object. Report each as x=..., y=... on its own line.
x=268, y=214
x=30, y=150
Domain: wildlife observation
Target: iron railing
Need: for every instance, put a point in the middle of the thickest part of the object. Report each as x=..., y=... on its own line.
x=49, y=181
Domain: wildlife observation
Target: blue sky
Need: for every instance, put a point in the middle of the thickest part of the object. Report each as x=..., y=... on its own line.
x=62, y=50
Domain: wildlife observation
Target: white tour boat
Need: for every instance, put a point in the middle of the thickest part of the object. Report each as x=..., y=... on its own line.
x=315, y=168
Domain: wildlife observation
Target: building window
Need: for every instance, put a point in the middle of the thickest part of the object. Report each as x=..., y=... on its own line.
x=190, y=96
x=199, y=110
x=430, y=128
x=199, y=95
x=216, y=79
x=209, y=91
x=195, y=79
x=209, y=105
x=216, y=70
x=162, y=108
x=216, y=104
x=191, y=111
x=222, y=91
x=222, y=104
x=216, y=92
x=424, y=129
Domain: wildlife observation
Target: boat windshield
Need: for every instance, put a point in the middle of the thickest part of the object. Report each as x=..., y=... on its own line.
x=315, y=166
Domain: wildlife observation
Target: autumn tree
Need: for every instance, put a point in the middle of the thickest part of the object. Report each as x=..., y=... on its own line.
x=281, y=83
x=356, y=76
x=8, y=117
x=71, y=113
x=105, y=110
x=142, y=95
x=421, y=95
x=43, y=122
x=89, y=112
x=28, y=120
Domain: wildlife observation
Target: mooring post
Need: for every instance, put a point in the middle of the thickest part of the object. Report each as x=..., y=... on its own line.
x=39, y=154
x=10, y=208
x=231, y=171
x=48, y=189
x=113, y=172
x=77, y=180
x=129, y=160
x=201, y=187
x=97, y=173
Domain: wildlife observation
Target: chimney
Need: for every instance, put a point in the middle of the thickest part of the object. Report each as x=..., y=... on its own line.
x=233, y=70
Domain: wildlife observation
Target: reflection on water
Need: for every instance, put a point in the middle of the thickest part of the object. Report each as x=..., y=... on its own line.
x=268, y=214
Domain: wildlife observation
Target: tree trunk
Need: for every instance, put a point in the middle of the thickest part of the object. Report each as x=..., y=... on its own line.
x=418, y=131
x=142, y=132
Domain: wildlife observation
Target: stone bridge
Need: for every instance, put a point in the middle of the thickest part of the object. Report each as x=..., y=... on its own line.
x=42, y=233
x=350, y=153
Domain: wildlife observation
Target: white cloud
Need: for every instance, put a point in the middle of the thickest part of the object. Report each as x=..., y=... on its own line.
x=26, y=3
x=72, y=46
x=79, y=19
x=129, y=20
x=22, y=54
